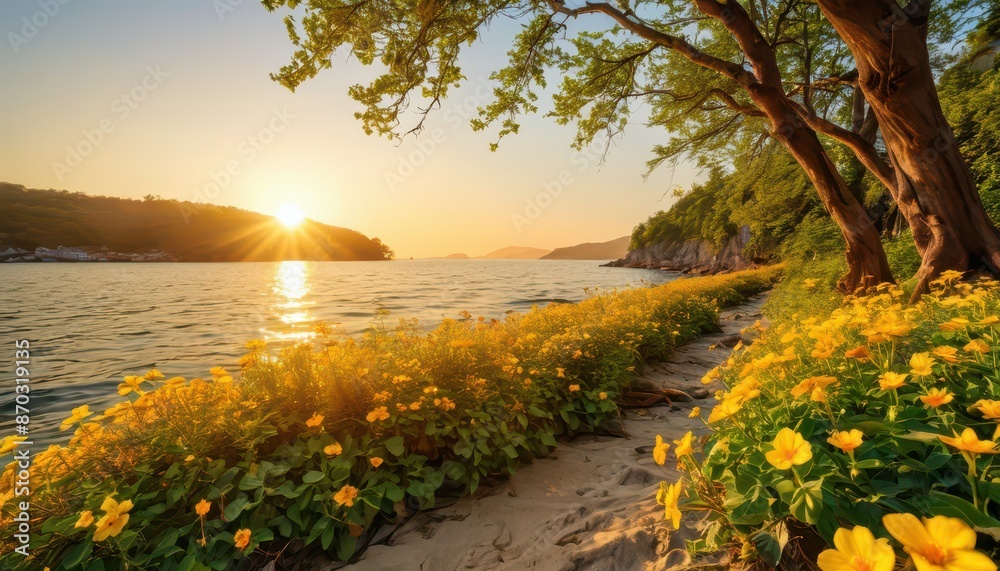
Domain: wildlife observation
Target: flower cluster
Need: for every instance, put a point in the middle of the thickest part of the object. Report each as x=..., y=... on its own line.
x=319, y=443
x=861, y=416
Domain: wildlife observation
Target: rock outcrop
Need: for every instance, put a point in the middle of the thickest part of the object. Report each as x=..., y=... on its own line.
x=693, y=256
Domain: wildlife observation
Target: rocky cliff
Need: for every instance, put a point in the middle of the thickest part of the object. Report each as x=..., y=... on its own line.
x=692, y=256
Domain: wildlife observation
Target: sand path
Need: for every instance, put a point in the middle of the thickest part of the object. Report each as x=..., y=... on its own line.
x=590, y=505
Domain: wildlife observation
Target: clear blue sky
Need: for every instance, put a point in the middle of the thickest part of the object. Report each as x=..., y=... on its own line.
x=182, y=94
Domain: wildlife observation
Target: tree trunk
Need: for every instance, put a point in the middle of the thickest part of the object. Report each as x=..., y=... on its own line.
x=866, y=261
x=935, y=189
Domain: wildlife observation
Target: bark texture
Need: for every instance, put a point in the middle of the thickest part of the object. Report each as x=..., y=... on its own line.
x=866, y=261
x=934, y=188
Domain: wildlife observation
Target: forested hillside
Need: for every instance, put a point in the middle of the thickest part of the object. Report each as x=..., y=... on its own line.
x=188, y=231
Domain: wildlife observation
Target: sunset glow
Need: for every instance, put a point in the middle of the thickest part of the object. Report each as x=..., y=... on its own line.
x=290, y=215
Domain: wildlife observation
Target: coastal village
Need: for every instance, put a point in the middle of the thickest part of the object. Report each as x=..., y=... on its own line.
x=11, y=254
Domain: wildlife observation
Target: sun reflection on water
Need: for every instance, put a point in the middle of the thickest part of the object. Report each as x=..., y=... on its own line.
x=291, y=286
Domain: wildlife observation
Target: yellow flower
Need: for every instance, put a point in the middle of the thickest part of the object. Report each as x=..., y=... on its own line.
x=723, y=410
x=695, y=412
x=602, y=395
x=936, y=397
x=152, y=375
x=79, y=413
x=415, y=405
x=938, y=544
x=444, y=403
x=861, y=353
x=380, y=413
x=946, y=353
x=990, y=409
x=219, y=372
x=920, y=364
x=790, y=449
x=684, y=447
x=846, y=441
x=315, y=420
x=574, y=388
x=818, y=395
x=976, y=346
x=375, y=461
x=969, y=442
x=202, y=507
x=241, y=539
x=668, y=496
x=990, y=320
x=660, y=451
x=86, y=519
x=711, y=376
x=890, y=380
x=886, y=327
x=857, y=550
x=130, y=385
x=114, y=519
x=812, y=383
x=9, y=443
x=747, y=390
x=954, y=324
x=560, y=372
x=346, y=495
x=334, y=449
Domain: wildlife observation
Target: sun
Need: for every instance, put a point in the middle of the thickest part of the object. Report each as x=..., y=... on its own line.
x=290, y=215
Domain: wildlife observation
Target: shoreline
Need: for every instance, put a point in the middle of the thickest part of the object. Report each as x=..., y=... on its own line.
x=589, y=505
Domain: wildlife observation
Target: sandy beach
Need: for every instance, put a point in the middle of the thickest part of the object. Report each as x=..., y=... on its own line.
x=590, y=505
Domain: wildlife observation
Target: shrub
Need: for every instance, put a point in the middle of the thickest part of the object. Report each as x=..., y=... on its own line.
x=842, y=418
x=313, y=446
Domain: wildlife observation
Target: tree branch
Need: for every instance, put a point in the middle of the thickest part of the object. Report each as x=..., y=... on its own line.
x=863, y=150
x=691, y=53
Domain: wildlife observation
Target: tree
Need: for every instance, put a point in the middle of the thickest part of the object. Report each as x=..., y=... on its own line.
x=929, y=178
x=748, y=63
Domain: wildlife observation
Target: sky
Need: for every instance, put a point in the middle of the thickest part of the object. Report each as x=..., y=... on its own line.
x=132, y=98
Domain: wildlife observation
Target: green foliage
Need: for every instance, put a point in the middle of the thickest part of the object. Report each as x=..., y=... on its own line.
x=908, y=380
x=314, y=447
x=969, y=99
x=902, y=255
x=195, y=232
x=769, y=194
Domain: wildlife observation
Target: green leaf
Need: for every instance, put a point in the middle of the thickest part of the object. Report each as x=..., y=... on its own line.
x=78, y=554
x=395, y=445
x=394, y=493
x=767, y=547
x=346, y=547
x=313, y=476
x=234, y=508
x=250, y=482
x=807, y=502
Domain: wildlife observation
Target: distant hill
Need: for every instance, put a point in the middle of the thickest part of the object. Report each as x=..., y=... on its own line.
x=611, y=250
x=457, y=257
x=189, y=231
x=517, y=253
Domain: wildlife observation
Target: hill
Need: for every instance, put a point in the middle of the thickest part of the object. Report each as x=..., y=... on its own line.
x=611, y=250
x=188, y=231
x=517, y=253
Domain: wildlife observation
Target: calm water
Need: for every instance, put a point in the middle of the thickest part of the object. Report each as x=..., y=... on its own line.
x=90, y=324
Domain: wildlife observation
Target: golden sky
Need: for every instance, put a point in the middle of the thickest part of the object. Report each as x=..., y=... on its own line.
x=173, y=99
